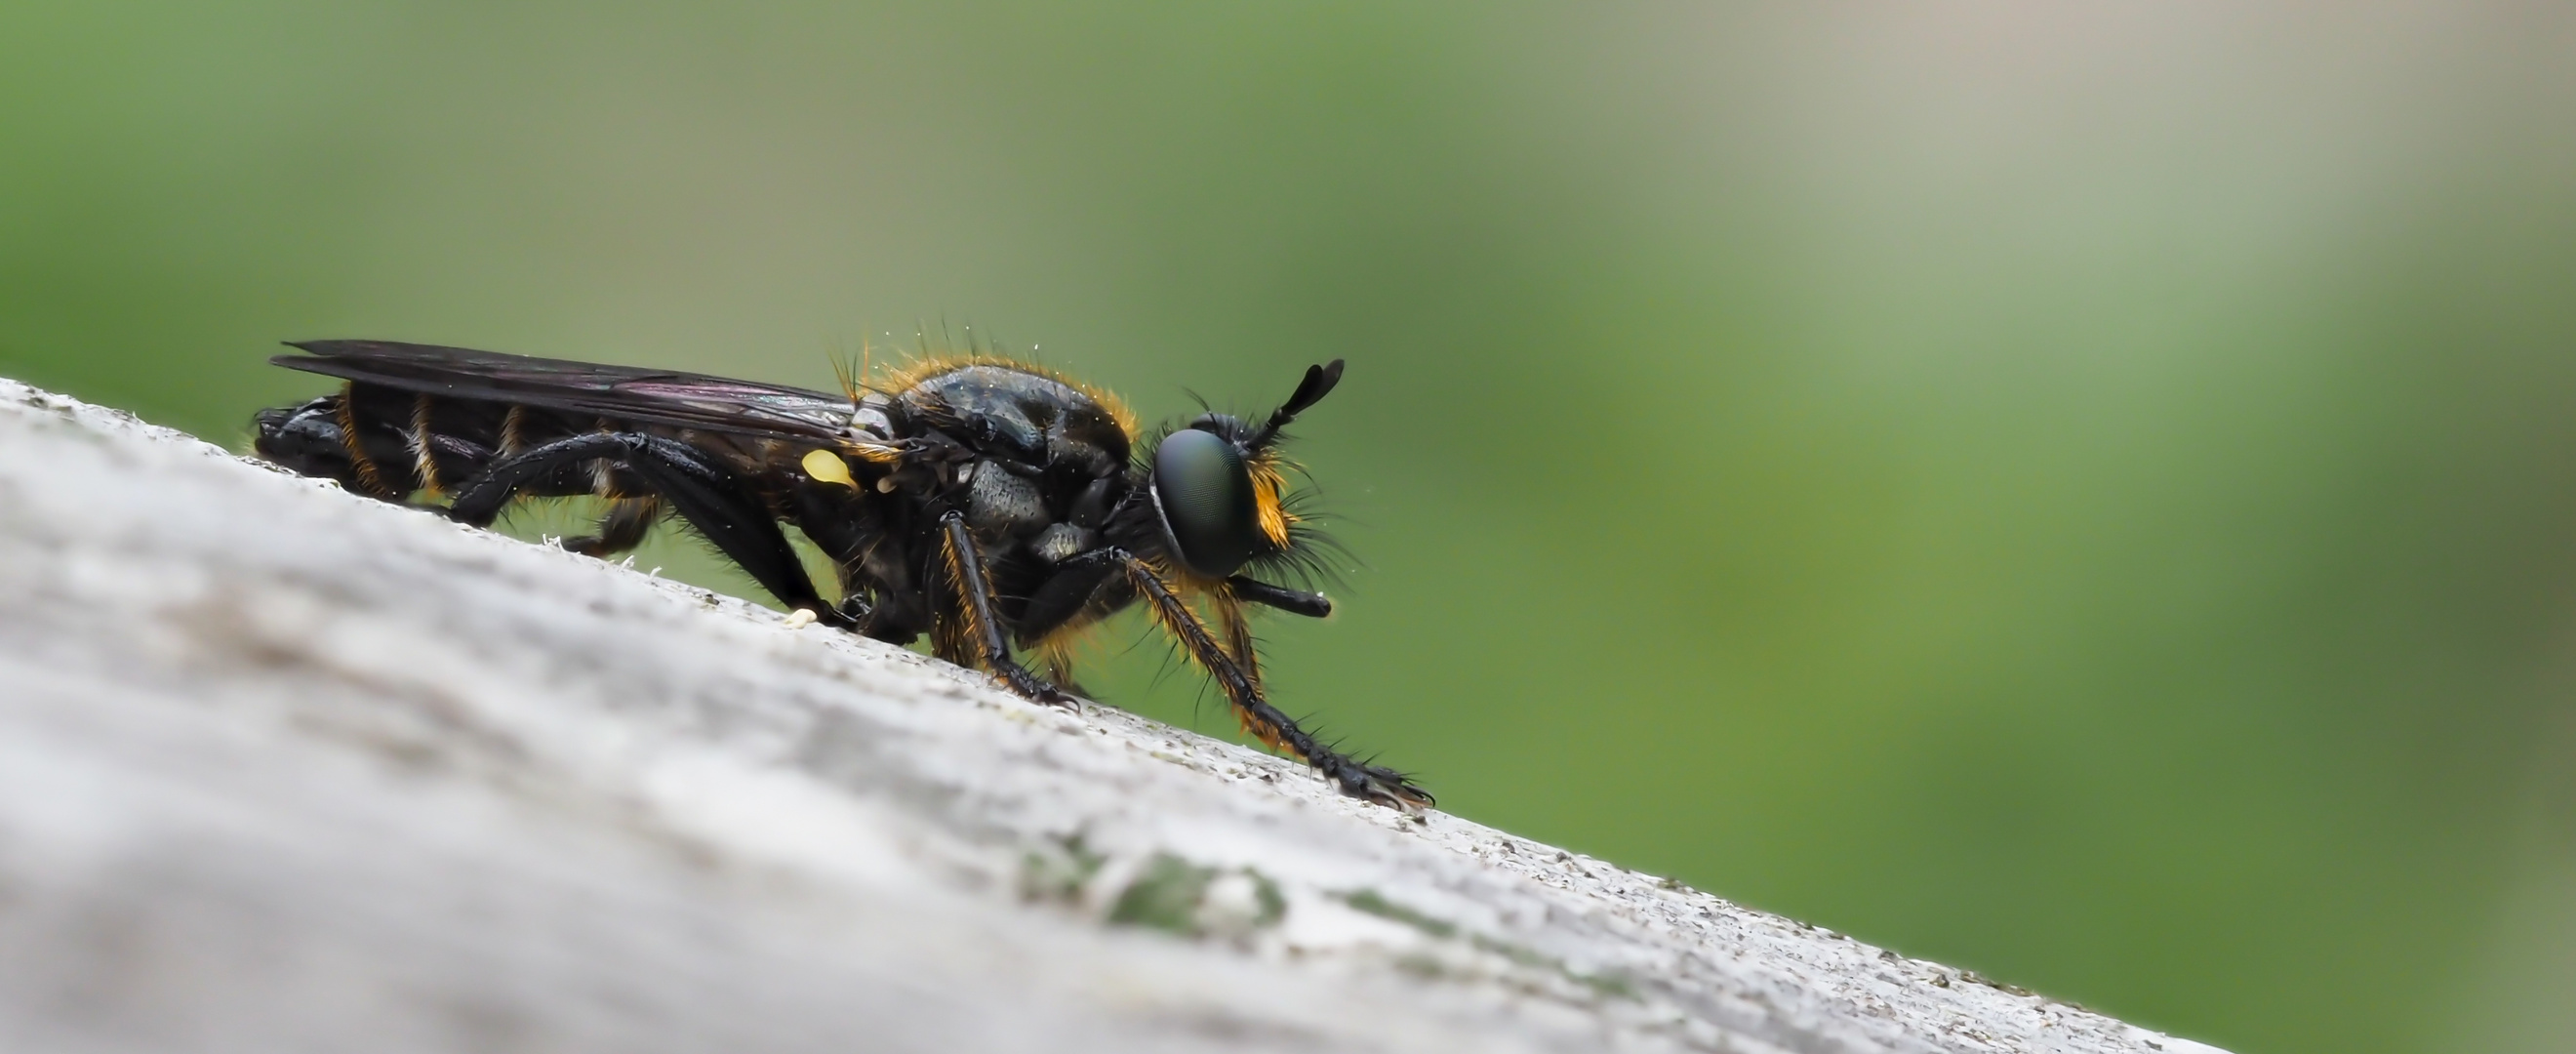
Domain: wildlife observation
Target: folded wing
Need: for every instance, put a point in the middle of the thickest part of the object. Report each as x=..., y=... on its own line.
x=626, y=393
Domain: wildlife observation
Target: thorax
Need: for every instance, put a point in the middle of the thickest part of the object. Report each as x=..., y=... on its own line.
x=1033, y=459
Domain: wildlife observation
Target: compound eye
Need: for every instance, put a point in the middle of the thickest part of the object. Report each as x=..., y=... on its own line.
x=1205, y=494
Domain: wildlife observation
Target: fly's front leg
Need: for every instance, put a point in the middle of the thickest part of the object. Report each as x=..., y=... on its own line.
x=966, y=566
x=1242, y=687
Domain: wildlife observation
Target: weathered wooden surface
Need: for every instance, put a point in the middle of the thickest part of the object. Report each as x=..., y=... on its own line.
x=282, y=769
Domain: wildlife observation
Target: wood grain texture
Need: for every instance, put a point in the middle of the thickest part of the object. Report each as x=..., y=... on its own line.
x=283, y=769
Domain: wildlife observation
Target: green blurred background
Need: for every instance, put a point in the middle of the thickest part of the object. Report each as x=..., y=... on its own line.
x=2082, y=492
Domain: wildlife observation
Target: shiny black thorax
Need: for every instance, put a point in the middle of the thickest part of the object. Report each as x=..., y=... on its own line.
x=1041, y=472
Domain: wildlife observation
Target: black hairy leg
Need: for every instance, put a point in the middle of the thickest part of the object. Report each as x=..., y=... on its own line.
x=1060, y=598
x=977, y=593
x=702, y=490
x=622, y=528
x=1356, y=778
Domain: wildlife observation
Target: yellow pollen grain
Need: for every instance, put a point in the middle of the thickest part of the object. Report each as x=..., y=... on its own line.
x=827, y=467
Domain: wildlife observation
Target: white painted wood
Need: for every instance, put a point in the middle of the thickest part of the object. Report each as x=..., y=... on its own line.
x=282, y=769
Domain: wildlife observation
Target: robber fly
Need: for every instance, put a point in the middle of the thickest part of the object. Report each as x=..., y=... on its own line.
x=990, y=504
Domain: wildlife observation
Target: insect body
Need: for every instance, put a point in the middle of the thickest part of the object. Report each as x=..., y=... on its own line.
x=990, y=504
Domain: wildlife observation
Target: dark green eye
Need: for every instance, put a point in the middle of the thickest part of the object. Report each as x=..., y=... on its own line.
x=1206, y=498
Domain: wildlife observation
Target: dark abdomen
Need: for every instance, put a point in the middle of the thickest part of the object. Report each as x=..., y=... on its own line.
x=391, y=443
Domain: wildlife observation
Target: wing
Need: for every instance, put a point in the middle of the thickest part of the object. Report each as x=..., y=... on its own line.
x=667, y=397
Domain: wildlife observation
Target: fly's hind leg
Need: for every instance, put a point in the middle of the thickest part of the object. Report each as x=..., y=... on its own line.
x=700, y=488
x=622, y=528
x=966, y=570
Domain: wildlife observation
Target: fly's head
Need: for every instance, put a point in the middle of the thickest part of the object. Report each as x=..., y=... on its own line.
x=1218, y=485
